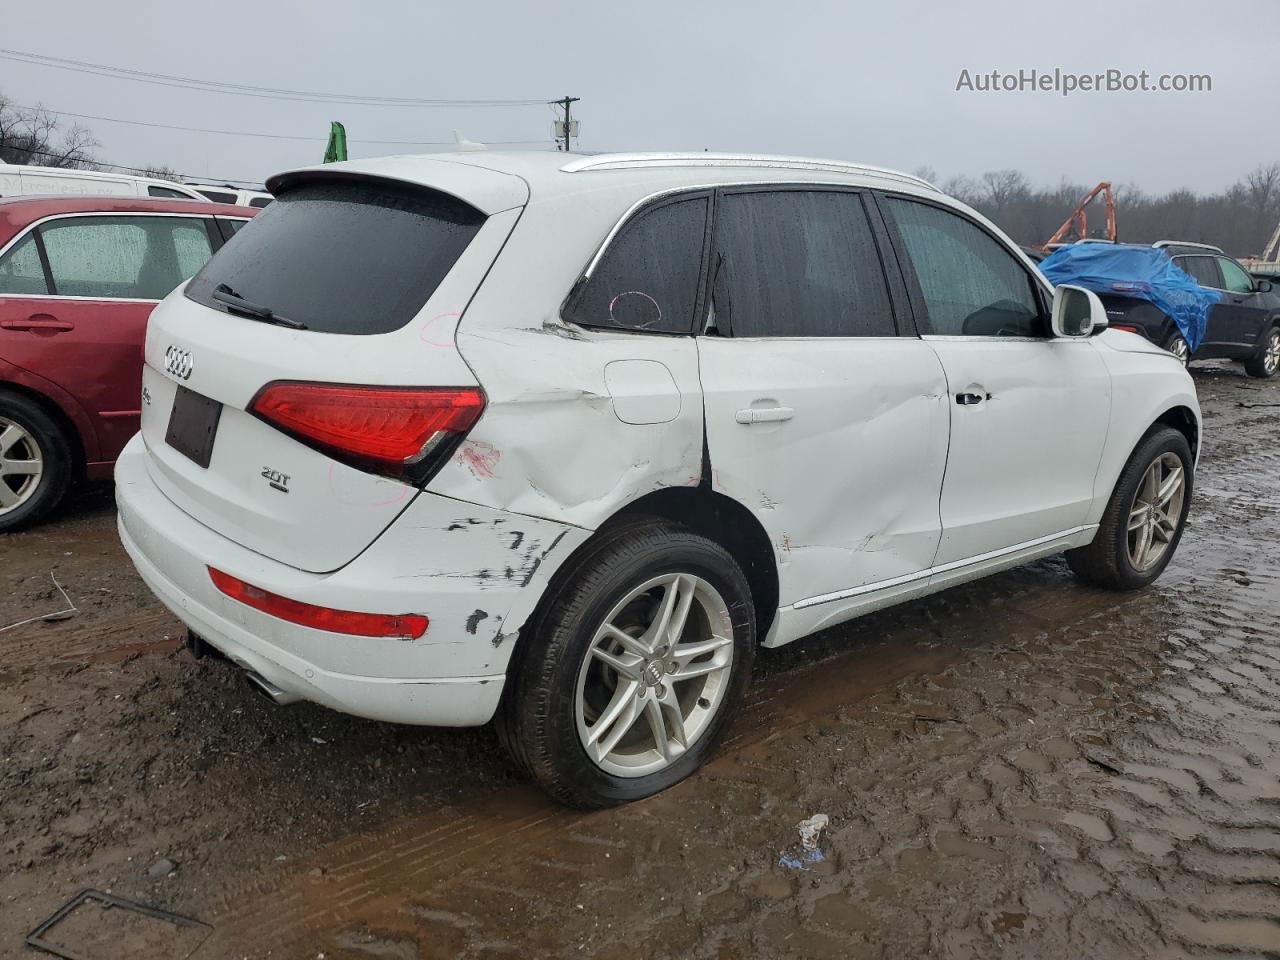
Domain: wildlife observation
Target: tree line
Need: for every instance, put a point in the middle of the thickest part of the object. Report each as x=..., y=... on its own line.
x=1240, y=219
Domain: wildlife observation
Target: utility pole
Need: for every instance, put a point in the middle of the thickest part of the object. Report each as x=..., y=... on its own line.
x=568, y=123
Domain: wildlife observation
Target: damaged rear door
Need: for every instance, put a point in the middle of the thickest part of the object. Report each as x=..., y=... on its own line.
x=820, y=418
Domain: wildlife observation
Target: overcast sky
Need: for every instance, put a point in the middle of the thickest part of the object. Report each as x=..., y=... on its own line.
x=871, y=82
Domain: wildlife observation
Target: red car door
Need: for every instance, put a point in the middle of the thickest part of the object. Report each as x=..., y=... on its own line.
x=105, y=274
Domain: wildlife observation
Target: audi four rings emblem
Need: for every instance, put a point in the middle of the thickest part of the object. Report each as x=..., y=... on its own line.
x=179, y=363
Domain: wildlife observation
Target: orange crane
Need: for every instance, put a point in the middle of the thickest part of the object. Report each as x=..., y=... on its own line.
x=1079, y=218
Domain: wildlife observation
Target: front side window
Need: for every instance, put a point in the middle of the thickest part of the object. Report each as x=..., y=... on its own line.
x=971, y=284
x=20, y=271
x=798, y=263
x=1233, y=277
x=647, y=279
x=127, y=258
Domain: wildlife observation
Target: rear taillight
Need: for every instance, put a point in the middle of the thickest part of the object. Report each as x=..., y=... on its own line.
x=402, y=432
x=1125, y=327
x=406, y=626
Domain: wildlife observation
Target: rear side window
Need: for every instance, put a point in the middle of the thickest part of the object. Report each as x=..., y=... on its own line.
x=1203, y=269
x=125, y=258
x=798, y=263
x=20, y=271
x=972, y=285
x=342, y=256
x=217, y=196
x=259, y=202
x=647, y=279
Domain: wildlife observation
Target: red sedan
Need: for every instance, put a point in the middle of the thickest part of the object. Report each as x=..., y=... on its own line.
x=78, y=278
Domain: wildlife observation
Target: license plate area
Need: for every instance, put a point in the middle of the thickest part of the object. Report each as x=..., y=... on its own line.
x=193, y=424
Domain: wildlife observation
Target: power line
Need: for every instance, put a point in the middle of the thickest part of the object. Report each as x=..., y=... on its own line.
x=266, y=136
x=247, y=90
x=202, y=178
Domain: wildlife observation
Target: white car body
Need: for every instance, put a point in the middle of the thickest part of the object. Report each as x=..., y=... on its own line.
x=222, y=193
x=19, y=180
x=846, y=463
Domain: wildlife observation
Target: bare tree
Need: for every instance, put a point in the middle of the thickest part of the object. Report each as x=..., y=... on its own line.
x=161, y=173
x=34, y=136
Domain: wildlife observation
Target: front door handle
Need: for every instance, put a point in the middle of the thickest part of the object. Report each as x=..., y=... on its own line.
x=764, y=414
x=969, y=399
x=39, y=321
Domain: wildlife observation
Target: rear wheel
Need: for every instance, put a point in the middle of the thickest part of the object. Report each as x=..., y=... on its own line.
x=1177, y=345
x=35, y=462
x=631, y=673
x=1144, y=520
x=1266, y=361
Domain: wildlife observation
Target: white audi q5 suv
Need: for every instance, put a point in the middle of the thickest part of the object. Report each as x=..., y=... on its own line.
x=559, y=441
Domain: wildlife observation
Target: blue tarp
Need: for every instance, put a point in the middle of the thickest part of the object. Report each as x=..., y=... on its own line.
x=1147, y=273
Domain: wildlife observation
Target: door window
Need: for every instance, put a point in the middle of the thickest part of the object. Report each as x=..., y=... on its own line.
x=648, y=277
x=799, y=263
x=218, y=196
x=129, y=258
x=1233, y=276
x=21, y=273
x=166, y=192
x=1203, y=269
x=972, y=285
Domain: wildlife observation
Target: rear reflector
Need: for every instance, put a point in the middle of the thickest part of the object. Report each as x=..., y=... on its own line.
x=404, y=432
x=1125, y=328
x=403, y=626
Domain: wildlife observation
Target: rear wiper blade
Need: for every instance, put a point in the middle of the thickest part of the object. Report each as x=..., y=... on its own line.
x=254, y=311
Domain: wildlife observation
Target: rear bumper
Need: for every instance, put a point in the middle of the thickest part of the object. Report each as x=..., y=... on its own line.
x=451, y=676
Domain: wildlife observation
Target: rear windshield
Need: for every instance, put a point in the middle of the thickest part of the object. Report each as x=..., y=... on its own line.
x=342, y=256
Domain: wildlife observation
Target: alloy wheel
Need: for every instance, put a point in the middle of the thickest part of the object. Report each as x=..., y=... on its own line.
x=1156, y=511
x=21, y=465
x=654, y=675
x=1178, y=347
x=1271, y=356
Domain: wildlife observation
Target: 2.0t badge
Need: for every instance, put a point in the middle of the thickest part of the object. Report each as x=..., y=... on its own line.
x=179, y=363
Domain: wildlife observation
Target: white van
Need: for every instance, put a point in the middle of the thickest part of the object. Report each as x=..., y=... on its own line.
x=225, y=193
x=18, y=180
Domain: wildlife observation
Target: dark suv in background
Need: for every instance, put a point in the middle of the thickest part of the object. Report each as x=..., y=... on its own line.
x=1244, y=325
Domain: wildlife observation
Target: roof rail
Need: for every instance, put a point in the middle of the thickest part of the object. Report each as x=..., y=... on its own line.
x=635, y=161
x=1188, y=243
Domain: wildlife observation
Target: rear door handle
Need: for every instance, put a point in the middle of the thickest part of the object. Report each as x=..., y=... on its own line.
x=38, y=321
x=764, y=414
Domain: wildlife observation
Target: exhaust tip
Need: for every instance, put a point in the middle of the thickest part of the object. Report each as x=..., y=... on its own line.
x=263, y=686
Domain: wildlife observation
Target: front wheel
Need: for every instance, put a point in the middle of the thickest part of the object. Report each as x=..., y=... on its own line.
x=1145, y=517
x=1266, y=361
x=1177, y=345
x=631, y=673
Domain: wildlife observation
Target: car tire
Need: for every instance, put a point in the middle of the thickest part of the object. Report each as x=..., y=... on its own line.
x=559, y=694
x=1176, y=344
x=30, y=440
x=1116, y=558
x=1266, y=361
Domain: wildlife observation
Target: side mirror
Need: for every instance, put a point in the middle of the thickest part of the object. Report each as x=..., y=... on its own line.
x=1077, y=312
x=1263, y=286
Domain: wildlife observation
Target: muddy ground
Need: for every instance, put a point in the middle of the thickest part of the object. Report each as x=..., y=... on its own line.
x=1023, y=767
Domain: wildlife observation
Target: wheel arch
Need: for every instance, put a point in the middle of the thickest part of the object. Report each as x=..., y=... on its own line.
x=718, y=517
x=70, y=430
x=1184, y=420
